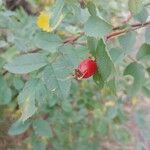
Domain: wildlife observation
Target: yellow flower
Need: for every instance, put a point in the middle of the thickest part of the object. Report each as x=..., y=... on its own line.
x=43, y=21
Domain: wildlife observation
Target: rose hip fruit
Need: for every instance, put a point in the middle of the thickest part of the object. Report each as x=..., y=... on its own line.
x=86, y=68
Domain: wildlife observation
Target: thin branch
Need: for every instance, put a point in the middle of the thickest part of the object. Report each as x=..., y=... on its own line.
x=123, y=31
x=131, y=58
x=120, y=31
x=5, y=72
x=114, y=34
x=35, y=50
x=133, y=25
x=73, y=39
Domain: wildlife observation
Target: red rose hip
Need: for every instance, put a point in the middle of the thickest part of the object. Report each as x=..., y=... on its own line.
x=86, y=68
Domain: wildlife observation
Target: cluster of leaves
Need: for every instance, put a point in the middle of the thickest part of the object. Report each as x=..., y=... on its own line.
x=42, y=63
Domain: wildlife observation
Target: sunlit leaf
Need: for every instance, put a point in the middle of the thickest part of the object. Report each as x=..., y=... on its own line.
x=30, y=96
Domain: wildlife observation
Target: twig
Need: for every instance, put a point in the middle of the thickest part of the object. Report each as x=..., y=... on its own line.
x=133, y=25
x=123, y=31
x=120, y=31
x=114, y=34
x=5, y=72
x=34, y=50
x=131, y=58
x=72, y=39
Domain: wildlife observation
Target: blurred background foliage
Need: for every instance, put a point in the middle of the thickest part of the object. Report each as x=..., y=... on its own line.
x=89, y=118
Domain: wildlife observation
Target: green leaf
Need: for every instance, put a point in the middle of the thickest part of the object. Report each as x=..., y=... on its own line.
x=5, y=92
x=117, y=55
x=127, y=41
x=102, y=127
x=66, y=106
x=121, y=135
x=42, y=128
x=137, y=71
x=40, y=92
x=55, y=77
x=146, y=90
x=18, y=127
x=91, y=8
x=57, y=12
x=139, y=119
x=25, y=29
x=3, y=44
x=135, y=6
x=5, y=18
x=9, y=54
x=18, y=83
x=26, y=63
x=104, y=62
x=144, y=52
x=28, y=107
x=92, y=44
x=85, y=132
x=112, y=112
x=52, y=99
x=98, y=80
x=147, y=35
x=2, y=62
x=73, y=55
x=111, y=85
x=148, y=70
x=96, y=27
x=121, y=116
x=31, y=93
x=38, y=144
x=142, y=16
x=47, y=41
